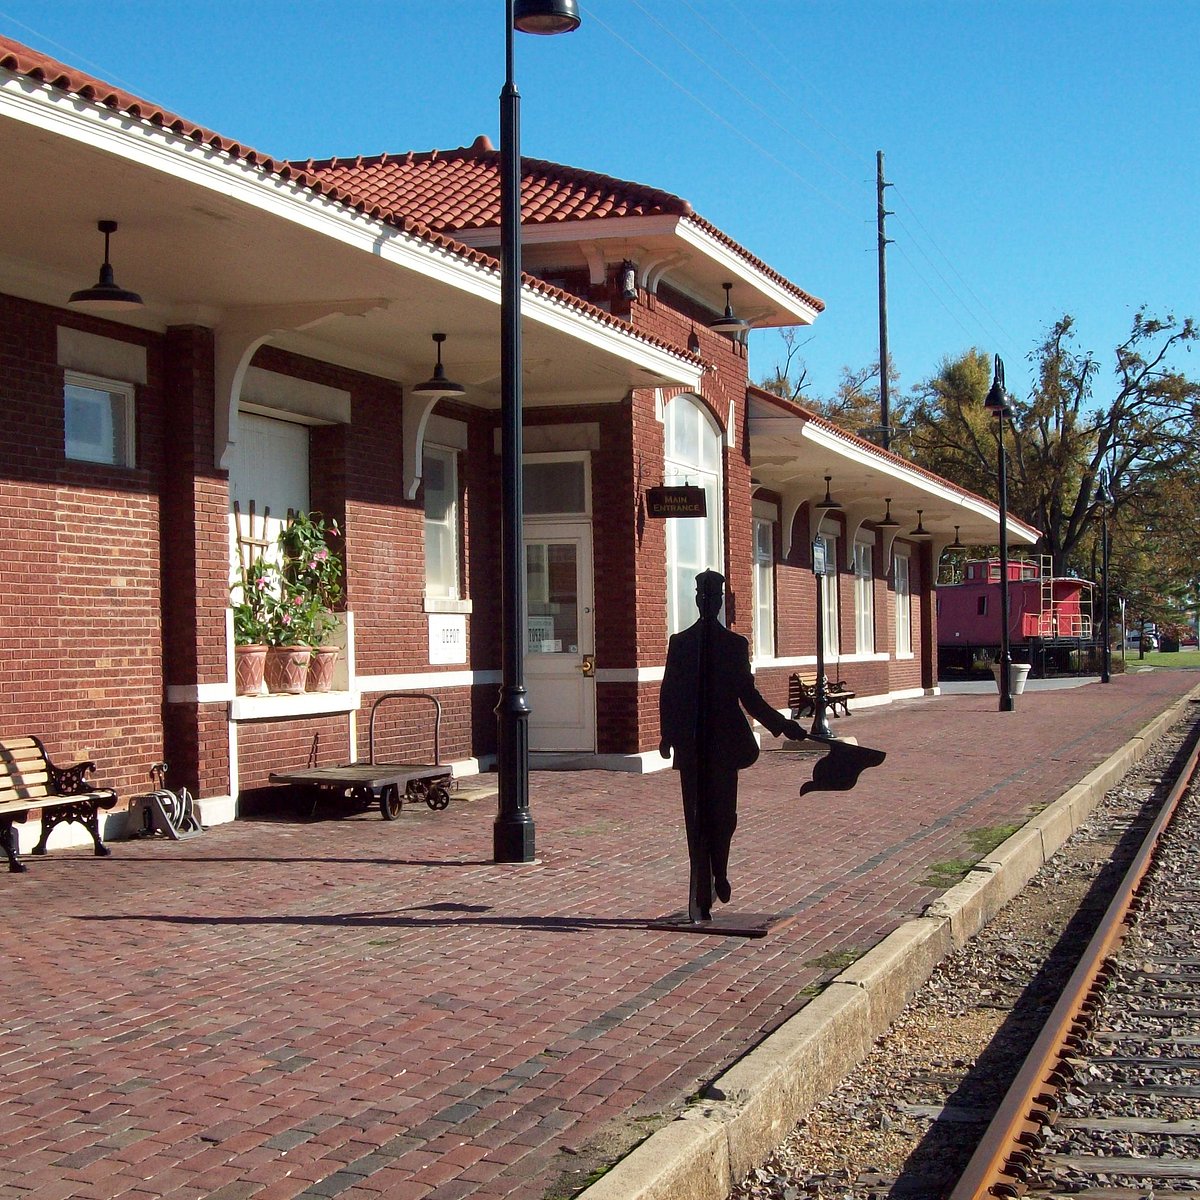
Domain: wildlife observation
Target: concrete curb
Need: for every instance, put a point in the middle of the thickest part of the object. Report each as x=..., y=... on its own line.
x=752, y=1107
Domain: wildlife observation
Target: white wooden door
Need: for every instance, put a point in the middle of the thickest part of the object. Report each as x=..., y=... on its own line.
x=560, y=648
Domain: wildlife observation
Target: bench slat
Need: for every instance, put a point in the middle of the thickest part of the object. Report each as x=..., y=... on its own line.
x=22, y=756
x=21, y=743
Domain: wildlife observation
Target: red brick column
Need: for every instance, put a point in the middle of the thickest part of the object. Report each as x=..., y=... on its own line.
x=195, y=567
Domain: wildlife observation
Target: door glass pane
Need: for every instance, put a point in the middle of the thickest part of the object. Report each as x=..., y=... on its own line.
x=552, y=597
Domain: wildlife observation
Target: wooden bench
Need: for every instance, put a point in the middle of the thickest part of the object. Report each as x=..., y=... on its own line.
x=802, y=696
x=29, y=780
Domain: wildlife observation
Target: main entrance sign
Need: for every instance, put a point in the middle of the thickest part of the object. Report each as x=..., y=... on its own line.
x=664, y=502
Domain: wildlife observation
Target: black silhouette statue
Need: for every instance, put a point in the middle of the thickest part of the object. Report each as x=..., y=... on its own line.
x=706, y=685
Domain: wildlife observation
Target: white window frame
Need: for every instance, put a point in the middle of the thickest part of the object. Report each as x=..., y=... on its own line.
x=902, y=587
x=829, y=598
x=864, y=596
x=450, y=525
x=764, y=587
x=708, y=473
x=583, y=457
x=123, y=396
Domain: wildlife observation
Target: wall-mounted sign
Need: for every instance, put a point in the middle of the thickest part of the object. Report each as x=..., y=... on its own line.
x=676, y=502
x=820, y=566
x=447, y=638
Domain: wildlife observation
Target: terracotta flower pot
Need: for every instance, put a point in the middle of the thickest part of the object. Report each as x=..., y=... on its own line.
x=248, y=662
x=320, y=668
x=287, y=668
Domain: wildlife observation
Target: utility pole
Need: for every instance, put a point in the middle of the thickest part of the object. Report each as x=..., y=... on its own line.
x=884, y=422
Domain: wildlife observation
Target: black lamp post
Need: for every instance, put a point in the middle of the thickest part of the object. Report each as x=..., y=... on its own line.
x=1104, y=499
x=997, y=402
x=513, y=831
x=820, y=725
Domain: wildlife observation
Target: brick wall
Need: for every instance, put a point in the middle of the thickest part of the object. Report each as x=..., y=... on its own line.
x=80, y=629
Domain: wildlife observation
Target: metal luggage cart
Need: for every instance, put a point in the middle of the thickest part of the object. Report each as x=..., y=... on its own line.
x=387, y=785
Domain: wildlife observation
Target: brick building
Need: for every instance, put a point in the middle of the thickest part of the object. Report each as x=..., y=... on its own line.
x=288, y=310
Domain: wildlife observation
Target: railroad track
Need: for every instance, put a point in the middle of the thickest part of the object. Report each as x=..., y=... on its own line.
x=1107, y=1105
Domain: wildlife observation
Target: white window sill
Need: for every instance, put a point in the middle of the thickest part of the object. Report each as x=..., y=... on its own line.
x=306, y=704
x=442, y=604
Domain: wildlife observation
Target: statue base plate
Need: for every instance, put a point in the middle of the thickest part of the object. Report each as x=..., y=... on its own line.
x=725, y=924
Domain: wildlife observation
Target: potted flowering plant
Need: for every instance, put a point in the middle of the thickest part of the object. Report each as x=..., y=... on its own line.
x=283, y=611
x=288, y=653
x=312, y=574
x=253, y=595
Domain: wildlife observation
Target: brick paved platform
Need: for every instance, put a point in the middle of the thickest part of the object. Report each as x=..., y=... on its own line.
x=358, y=1007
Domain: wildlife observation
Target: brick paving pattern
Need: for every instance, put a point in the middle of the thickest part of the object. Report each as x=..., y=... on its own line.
x=283, y=1008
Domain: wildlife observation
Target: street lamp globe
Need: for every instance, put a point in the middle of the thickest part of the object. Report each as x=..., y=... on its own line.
x=546, y=16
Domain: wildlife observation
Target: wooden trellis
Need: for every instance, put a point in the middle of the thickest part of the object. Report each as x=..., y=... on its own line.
x=250, y=545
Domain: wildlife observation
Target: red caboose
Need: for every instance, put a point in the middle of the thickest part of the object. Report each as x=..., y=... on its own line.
x=1049, y=617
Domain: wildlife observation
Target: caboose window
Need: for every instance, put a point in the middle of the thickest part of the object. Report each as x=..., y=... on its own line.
x=983, y=606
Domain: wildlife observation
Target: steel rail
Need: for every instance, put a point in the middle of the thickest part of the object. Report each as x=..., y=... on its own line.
x=1002, y=1161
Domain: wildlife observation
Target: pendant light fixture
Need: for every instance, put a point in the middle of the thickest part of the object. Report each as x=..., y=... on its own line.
x=920, y=533
x=956, y=544
x=438, y=386
x=105, y=294
x=888, y=522
x=829, y=502
x=728, y=324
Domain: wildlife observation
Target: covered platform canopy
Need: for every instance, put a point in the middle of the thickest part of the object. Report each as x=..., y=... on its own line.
x=793, y=449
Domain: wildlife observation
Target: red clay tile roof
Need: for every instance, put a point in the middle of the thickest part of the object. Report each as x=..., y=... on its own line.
x=456, y=191
x=33, y=64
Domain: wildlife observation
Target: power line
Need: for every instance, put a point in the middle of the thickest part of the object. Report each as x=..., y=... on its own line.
x=1004, y=334
x=789, y=96
x=933, y=291
x=592, y=16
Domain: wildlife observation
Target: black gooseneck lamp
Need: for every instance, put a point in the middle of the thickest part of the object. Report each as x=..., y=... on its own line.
x=997, y=403
x=513, y=830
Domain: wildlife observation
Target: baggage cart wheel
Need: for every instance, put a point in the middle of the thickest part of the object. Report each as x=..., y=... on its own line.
x=437, y=797
x=391, y=803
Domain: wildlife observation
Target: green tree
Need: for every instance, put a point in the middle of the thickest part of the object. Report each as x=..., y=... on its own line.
x=854, y=405
x=1142, y=433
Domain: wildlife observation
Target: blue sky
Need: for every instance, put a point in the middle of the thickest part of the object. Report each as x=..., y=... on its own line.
x=1046, y=156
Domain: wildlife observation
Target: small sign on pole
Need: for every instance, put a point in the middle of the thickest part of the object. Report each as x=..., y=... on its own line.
x=665, y=502
x=820, y=567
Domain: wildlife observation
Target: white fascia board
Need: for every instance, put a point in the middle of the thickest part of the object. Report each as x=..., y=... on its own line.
x=199, y=165
x=613, y=340
x=737, y=267
x=600, y=229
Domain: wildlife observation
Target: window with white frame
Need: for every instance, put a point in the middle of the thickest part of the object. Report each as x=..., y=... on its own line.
x=692, y=455
x=439, y=473
x=900, y=585
x=764, y=588
x=98, y=419
x=829, y=598
x=864, y=598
